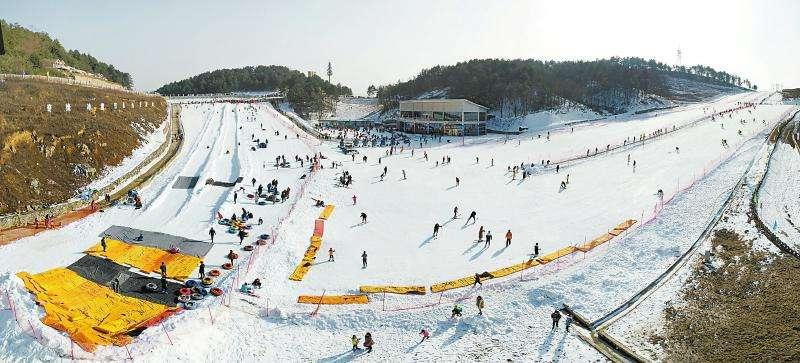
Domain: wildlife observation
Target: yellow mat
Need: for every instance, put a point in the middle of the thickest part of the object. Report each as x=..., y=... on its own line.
x=326, y=213
x=308, y=259
x=91, y=314
x=414, y=290
x=333, y=299
x=147, y=259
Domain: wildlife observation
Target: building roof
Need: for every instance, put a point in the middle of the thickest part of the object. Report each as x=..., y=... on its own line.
x=442, y=104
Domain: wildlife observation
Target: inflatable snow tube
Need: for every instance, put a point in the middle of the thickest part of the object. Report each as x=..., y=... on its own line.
x=216, y=291
x=261, y=242
x=191, y=283
x=214, y=273
x=198, y=296
x=185, y=291
x=199, y=290
x=224, y=222
x=190, y=305
x=264, y=236
x=232, y=230
x=248, y=248
x=251, y=196
x=208, y=281
x=184, y=298
x=262, y=202
x=227, y=266
x=151, y=287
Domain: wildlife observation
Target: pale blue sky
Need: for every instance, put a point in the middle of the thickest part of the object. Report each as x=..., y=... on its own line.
x=378, y=42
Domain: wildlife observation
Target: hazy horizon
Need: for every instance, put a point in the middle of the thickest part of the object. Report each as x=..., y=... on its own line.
x=381, y=43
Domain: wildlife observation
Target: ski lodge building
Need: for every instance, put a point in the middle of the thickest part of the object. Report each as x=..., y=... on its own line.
x=452, y=117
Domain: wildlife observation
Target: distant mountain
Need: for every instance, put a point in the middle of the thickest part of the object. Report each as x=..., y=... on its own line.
x=306, y=94
x=518, y=87
x=28, y=51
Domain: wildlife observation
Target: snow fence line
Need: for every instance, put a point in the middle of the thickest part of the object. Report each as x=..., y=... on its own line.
x=545, y=259
x=333, y=299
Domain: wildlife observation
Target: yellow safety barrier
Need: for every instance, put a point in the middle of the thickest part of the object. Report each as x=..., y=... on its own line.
x=148, y=259
x=326, y=213
x=91, y=314
x=550, y=257
x=333, y=299
x=308, y=259
x=415, y=290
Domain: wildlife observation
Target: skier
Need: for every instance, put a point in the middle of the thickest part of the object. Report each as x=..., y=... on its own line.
x=368, y=342
x=235, y=196
x=354, y=340
x=212, y=233
x=536, y=249
x=556, y=316
x=455, y=212
x=253, y=181
x=354, y=199
x=477, y=280
x=456, y=311
x=480, y=234
x=660, y=195
x=479, y=303
x=557, y=168
x=241, y=236
x=330, y=255
x=472, y=216
x=103, y=243
x=364, y=259
x=508, y=238
x=488, y=239
x=425, y=335
x=363, y=218
x=436, y=229
x=202, y=271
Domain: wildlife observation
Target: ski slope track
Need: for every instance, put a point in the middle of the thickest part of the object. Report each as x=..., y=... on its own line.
x=692, y=167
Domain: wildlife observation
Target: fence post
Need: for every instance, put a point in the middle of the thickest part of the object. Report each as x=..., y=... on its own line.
x=167, y=334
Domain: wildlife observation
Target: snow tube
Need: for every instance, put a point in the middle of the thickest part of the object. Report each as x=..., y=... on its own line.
x=234, y=255
x=214, y=273
x=261, y=242
x=232, y=229
x=248, y=248
x=208, y=281
x=262, y=202
x=191, y=283
x=174, y=250
x=227, y=266
x=184, y=298
x=216, y=291
x=185, y=291
x=225, y=222
x=198, y=296
x=151, y=287
x=251, y=196
x=199, y=290
x=190, y=305
x=264, y=236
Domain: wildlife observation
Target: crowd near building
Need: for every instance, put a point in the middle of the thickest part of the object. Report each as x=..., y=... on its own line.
x=452, y=117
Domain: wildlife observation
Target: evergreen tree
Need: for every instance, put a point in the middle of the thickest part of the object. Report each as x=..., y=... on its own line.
x=330, y=72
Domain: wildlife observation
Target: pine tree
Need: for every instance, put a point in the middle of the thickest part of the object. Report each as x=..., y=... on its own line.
x=330, y=72
x=371, y=90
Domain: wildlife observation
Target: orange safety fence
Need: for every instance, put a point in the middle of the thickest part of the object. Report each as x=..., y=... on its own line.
x=91, y=314
x=333, y=299
x=308, y=259
x=550, y=257
x=148, y=259
x=414, y=290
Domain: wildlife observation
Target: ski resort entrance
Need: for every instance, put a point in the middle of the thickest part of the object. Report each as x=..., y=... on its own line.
x=453, y=117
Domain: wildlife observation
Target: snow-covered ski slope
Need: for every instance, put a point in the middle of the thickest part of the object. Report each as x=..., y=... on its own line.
x=603, y=191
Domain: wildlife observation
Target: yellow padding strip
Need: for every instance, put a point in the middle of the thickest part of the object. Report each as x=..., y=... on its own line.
x=308, y=259
x=414, y=290
x=326, y=213
x=148, y=259
x=91, y=314
x=333, y=299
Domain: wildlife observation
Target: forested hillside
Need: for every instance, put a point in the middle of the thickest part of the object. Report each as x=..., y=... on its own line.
x=518, y=87
x=26, y=50
x=307, y=94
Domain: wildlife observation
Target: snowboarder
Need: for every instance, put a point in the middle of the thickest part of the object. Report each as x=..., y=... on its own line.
x=472, y=216
x=202, y=271
x=508, y=238
x=354, y=340
x=212, y=233
x=368, y=342
x=436, y=229
x=425, y=334
x=404, y=174
x=488, y=239
x=253, y=181
x=480, y=234
x=330, y=254
x=556, y=316
x=456, y=311
x=479, y=303
x=364, y=259
x=455, y=212
x=242, y=234
x=458, y=181
x=363, y=218
x=103, y=243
